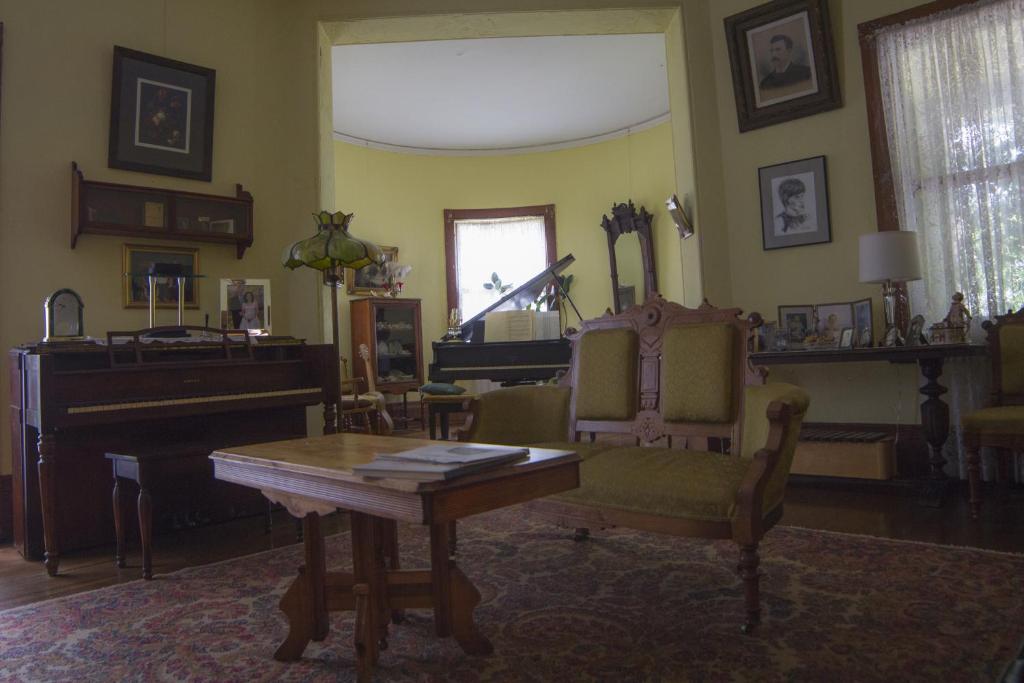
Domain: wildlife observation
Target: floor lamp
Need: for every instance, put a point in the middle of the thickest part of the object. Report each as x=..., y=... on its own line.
x=331, y=250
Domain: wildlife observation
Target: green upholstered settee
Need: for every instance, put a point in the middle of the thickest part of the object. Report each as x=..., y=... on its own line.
x=660, y=382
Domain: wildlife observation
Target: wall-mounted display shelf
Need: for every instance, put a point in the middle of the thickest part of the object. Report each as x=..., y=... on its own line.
x=113, y=209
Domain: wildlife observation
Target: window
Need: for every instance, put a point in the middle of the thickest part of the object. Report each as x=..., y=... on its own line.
x=516, y=243
x=945, y=91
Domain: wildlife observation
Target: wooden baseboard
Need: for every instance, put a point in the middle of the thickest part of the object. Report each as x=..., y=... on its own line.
x=6, y=508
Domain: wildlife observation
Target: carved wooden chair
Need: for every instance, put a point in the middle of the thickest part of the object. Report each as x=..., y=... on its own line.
x=1000, y=426
x=661, y=375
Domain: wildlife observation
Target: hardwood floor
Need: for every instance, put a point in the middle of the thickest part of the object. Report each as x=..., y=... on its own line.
x=892, y=515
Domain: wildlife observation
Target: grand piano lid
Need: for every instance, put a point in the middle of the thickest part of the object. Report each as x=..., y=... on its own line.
x=518, y=298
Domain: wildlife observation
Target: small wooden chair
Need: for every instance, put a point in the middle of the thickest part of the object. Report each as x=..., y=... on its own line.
x=359, y=405
x=1000, y=426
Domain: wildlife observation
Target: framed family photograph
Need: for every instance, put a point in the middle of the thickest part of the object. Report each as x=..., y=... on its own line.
x=161, y=116
x=832, y=320
x=140, y=259
x=245, y=304
x=783, y=62
x=796, y=323
x=372, y=278
x=794, y=204
x=863, y=332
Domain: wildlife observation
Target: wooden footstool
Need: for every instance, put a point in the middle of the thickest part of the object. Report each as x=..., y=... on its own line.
x=146, y=469
x=443, y=405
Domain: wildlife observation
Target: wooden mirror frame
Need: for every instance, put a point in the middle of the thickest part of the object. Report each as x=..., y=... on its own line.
x=625, y=220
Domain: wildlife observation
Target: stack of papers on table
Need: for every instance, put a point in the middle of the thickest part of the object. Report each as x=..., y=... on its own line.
x=440, y=462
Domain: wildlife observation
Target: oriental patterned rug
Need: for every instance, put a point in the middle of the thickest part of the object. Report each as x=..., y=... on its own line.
x=623, y=606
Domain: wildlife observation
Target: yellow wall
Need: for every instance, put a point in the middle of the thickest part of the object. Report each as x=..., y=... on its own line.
x=762, y=280
x=399, y=200
x=55, y=108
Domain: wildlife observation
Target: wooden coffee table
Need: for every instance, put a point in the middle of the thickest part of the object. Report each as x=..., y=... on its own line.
x=311, y=477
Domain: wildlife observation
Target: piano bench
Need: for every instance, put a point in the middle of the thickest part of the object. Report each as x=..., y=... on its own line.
x=443, y=405
x=146, y=468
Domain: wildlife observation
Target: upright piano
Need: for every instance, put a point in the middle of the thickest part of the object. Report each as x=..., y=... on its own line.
x=514, y=362
x=71, y=402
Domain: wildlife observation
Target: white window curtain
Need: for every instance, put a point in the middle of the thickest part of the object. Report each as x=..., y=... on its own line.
x=515, y=248
x=953, y=98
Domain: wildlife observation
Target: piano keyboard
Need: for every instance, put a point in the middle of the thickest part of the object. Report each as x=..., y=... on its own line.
x=191, y=400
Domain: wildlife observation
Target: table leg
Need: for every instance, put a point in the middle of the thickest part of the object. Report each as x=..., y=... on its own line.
x=367, y=572
x=119, y=505
x=432, y=416
x=47, y=466
x=145, y=505
x=304, y=603
x=440, y=575
x=444, y=425
x=934, y=415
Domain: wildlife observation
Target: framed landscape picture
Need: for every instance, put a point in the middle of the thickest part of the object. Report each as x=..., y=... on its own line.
x=161, y=116
x=783, y=62
x=139, y=259
x=794, y=204
x=245, y=304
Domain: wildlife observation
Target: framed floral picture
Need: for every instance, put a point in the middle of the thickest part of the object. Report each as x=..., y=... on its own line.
x=161, y=116
x=372, y=278
x=783, y=62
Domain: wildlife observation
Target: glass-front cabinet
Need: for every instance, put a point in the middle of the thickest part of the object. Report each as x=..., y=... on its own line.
x=390, y=328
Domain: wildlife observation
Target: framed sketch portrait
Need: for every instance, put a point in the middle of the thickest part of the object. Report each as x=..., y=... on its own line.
x=371, y=278
x=794, y=204
x=140, y=259
x=796, y=323
x=783, y=62
x=245, y=304
x=161, y=116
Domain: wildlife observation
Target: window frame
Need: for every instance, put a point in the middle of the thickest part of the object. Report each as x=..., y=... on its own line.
x=453, y=215
x=886, y=214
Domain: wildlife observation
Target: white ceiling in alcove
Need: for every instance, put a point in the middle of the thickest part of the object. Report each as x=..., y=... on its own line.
x=498, y=95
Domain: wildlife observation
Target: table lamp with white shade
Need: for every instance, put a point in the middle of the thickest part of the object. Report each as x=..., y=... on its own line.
x=890, y=257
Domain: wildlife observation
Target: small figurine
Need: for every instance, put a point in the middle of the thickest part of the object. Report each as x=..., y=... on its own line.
x=958, y=315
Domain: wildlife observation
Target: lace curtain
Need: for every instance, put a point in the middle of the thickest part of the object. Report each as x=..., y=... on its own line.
x=514, y=248
x=953, y=97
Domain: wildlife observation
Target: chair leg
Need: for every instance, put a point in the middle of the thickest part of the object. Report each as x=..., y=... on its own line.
x=747, y=569
x=974, y=479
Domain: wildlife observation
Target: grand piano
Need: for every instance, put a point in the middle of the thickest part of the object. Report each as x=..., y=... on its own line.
x=515, y=362
x=71, y=402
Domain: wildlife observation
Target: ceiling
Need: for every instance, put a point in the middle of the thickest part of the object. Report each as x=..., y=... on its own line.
x=498, y=95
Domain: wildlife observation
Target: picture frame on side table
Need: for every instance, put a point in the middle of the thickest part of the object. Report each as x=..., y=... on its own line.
x=863, y=325
x=846, y=338
x=794, y=204
x=783, y=62
x=366, y=281
x=796, y=323
x=138, y=259
x=832, y=320
x=245, y=304
x=161, y=116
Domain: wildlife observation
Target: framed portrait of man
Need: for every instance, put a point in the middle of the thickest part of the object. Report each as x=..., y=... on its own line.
x=783, y=62
x=794, y=203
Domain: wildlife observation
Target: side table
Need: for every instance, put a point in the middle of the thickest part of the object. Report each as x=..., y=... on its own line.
x=441, y=406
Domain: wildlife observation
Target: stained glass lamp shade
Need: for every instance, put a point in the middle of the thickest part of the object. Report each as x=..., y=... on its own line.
x=330, y=250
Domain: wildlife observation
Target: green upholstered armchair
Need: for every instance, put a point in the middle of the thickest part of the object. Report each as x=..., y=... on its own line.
x=667, y=380
x=1000, y=426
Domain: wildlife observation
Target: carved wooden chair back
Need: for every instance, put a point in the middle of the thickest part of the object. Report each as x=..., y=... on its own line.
x=1006, y=343
x=661, y=370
